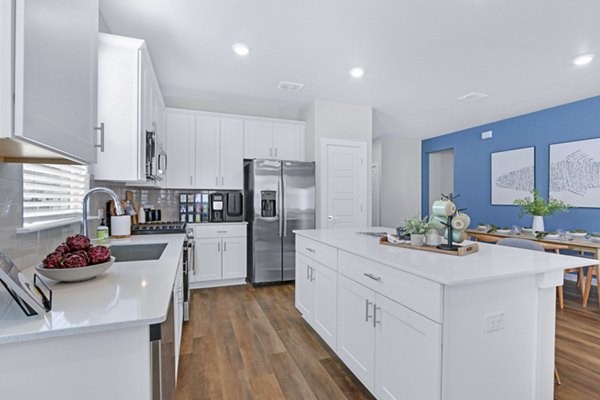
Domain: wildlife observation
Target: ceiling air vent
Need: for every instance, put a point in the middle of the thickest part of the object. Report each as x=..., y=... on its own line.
x=473, y=96
x=290, y=86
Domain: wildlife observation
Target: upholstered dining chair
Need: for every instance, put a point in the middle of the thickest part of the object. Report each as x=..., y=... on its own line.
x=528, y=245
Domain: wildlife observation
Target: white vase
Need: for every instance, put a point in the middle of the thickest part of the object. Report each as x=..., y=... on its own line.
x=417, y=239
x=538, y=224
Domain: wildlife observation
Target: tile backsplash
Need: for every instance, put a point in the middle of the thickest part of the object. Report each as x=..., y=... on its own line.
x=26, y=249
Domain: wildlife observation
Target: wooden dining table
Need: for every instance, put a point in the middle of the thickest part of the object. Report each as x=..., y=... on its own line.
x=581, y=245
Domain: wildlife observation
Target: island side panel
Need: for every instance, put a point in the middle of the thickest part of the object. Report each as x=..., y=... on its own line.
x=112, y=364
x=481, y=362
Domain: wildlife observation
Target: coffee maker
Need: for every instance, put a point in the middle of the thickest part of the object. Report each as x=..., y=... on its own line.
x=216, y=203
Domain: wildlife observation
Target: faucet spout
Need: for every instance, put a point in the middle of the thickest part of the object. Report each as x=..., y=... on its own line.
x=86, y=206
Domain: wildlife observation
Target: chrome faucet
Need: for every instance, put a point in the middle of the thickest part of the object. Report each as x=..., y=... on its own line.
x=86, y=205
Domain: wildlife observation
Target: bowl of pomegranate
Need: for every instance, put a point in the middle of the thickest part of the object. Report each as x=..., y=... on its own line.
x=76, y=260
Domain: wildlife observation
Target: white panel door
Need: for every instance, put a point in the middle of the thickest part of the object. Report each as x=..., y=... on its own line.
x=208, y=260
x=234, y=258
x=207, y=152
x=56, y=67
x=258, y=139
x=346, y=189
x=408, y=353
x=180, y=150
x=288, y=141
x=304, y=289
x=325, y=315
x=232, y=154
x=356, y=333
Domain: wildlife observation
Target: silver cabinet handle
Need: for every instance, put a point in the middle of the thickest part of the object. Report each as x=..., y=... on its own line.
x=224, y=246
x=375, y=278
x=191, y=180
x=367, y=304
x=101, y=129
x=217, y=180
x=222, y=181
x=311, y=250
x=312, y=274
x=219, y=247
x=279, y=208
x=271, y=152
x=221, y=231
x=284, y=199
x=375, y=322
x=275, y=151
x=307, y=272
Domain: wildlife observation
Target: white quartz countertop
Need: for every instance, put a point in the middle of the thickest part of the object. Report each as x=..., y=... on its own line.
x=128, y=294
x=490, y=262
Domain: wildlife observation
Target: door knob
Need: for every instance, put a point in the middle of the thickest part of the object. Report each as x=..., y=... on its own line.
x=331, y=217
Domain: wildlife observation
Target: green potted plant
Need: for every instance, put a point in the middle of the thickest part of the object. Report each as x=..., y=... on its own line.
x=539, y=208
x=417, y=227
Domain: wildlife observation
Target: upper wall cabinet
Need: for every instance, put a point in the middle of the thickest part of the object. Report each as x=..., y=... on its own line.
x=274, y=140
x=48, y=80
x=131, y=108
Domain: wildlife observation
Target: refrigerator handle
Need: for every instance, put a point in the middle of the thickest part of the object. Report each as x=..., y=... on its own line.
x=284, y=214
x=279, y=208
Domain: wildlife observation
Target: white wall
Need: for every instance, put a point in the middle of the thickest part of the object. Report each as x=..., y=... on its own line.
x=441, y=174
x=400, y=166
x=330, y=120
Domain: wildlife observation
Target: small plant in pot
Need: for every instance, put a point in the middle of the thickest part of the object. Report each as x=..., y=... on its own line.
x=539, y=208
x=417, y=228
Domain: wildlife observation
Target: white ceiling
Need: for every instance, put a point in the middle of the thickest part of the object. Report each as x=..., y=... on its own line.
x=419, y=55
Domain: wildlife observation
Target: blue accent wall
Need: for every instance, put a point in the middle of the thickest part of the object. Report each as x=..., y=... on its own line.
x=472, y=164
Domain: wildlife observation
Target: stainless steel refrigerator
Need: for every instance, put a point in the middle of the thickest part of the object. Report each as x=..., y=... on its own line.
x=280, y=198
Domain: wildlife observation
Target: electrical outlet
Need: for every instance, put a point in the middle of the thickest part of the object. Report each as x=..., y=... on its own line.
x=494, y=322
x=486, y=135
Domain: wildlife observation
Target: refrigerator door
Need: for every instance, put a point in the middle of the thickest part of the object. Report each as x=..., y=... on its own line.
x=265, y=224
x=298, y=208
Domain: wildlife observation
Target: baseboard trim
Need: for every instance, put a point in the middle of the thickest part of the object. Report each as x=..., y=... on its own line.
x=219, y=283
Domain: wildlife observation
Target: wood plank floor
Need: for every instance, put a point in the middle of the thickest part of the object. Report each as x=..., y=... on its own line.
x=251, y=343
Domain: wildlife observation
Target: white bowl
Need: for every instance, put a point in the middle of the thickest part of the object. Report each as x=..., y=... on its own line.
x=595, y=239
x=75, y=274
x=503, y=231
x=552, y=236
x=578, y=234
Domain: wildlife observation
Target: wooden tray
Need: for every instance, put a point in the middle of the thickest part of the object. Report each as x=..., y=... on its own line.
x=461, y=251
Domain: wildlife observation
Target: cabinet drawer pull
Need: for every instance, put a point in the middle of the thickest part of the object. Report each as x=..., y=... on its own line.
x=375, y=322
x=221, y=231
x=219, y=247
x=375, y=278
x=311, y=250
x=275, y=151
x=224, y=246
x=367, y=304
x=101, y=129
x=312, y=274
x=307, y=272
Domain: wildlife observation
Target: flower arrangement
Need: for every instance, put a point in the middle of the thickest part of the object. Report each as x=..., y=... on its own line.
x=417, y=226
x=539, y=207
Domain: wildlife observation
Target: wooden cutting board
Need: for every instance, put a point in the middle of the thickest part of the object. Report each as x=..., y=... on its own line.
x=461, y=251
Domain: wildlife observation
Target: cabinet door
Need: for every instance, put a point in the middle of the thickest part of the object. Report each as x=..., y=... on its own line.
x=180, y=150
x=408, y=353
x=6, y=68
x=325, y=314
x=56, y=66
x=304, y=296
x=234, y=258
x=232, y=154
x=258, y=139
x=207, y=152
x=208, y=260
x=356, y=333
x=288, y=141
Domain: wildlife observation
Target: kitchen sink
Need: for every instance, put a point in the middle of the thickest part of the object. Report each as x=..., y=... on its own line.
x=137, y=252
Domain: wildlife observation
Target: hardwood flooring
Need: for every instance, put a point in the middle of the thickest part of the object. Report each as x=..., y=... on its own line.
x=251, y=343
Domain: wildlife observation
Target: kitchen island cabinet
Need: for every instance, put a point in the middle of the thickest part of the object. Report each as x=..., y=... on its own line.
x=413, y=324
x=96, y=344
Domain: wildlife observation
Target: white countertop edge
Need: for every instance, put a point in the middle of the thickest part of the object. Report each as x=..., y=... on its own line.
x=583, y=262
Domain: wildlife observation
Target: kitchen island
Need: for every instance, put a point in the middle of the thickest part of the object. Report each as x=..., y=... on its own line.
x=423, y=325
x=95, y=343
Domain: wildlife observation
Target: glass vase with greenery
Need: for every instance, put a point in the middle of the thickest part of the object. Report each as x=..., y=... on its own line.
x=538, y=207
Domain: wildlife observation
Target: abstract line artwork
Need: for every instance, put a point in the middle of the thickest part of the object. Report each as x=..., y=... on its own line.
x=513, y=175
x=575, y=173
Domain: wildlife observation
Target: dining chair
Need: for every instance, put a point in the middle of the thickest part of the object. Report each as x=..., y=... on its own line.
x=528, y=245
x=557, y=247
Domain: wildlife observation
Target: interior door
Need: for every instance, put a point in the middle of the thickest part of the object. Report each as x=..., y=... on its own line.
x=180, y=150
x=258, y=139
x=298, y=208
x=346, y=185
x=232, y=154
x=207, y=152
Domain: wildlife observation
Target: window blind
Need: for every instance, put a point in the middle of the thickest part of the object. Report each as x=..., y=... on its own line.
x=53, y=192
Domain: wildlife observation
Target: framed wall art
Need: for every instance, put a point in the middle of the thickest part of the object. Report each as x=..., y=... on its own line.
x=513, y=175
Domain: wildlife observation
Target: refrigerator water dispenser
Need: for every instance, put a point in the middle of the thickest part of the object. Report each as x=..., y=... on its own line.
x=268, y=203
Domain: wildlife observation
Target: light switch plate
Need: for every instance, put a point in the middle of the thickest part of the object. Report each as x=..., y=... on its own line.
x=494, y=322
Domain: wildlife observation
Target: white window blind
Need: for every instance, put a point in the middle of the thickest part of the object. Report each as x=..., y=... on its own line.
x=53, y=192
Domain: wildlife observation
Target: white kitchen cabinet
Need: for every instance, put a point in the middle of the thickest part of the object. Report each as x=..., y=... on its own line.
x=408, y=353
x=127, y=87
x=232, y=153
x=316, y=297
x=180, y=150
x=273, y=140
x=207, y=152
x=220, y=255
x=48, y=60
x=356, y=333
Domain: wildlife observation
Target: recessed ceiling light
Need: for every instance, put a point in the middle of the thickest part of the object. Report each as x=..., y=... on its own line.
x=290, y=86
x=472, y=96
x=357, y=72
x=241, y=49
x=583, y=59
